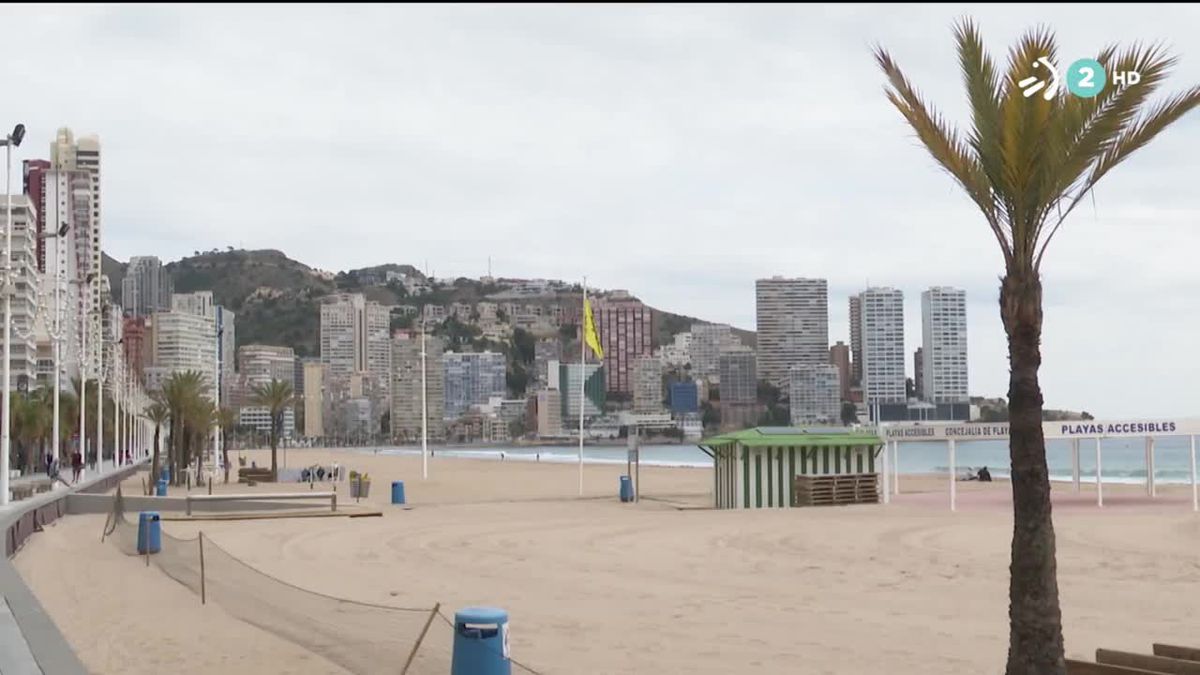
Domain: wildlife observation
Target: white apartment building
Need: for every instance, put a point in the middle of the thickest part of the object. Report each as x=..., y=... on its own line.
x=200, y=303
x=406, y=388
x=793, y=325
x=260, y=364
x=677, y=354
x=816, y=395
x=182, y=342
x=704, y=348
x=647, y=384
x=259, y=419
x=882, y=321
x=355, y=339
x=23, y=360
x=944, y=345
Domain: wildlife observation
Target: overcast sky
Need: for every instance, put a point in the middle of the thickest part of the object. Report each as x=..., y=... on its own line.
x=680, y=152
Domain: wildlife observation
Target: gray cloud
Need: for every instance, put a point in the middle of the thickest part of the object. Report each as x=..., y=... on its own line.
x=678, y=151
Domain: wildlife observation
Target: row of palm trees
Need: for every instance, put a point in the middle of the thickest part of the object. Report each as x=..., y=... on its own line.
x=33, y=422
x=181, y=410
x=188, y=416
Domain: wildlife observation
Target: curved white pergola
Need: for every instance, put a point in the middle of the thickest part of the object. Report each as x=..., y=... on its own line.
x=1075, y=431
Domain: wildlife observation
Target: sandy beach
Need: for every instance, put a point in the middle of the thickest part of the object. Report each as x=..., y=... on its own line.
x=596, y=586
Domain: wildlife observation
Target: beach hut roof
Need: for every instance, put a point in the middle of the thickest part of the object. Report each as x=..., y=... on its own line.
x=783, y=437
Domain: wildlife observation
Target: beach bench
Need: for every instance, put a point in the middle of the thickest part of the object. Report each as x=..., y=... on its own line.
x=257, y=475
x=1166, y=660
x=331, y=496
x=1176, y=652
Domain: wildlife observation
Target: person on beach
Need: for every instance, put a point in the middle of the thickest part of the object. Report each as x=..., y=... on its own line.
x=985, y=475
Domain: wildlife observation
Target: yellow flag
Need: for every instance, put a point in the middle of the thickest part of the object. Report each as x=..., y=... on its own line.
x=589, y=330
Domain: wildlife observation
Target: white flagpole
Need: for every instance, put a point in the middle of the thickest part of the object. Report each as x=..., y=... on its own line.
x=582, y=379
x=424, y=412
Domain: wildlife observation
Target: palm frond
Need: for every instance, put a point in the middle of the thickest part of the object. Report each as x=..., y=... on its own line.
x=1028, y=161
x=942, y=141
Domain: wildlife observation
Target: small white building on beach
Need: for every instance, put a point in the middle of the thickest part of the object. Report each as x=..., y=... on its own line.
x=758, y=467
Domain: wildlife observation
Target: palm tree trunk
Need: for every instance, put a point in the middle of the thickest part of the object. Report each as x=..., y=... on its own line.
x=1035, y=619
x=225, y=452
x=176, y=446
x=154, y=462
x=274, y=451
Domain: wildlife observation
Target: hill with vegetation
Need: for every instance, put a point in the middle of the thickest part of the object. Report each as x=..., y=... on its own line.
x=277, y=299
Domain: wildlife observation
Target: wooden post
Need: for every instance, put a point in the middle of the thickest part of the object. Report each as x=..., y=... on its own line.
x=203, y=590
x=1075, y=463
x=420, y=638
x=896, y=467
x=887, y=472
x=1195, y=494
x=953, y=478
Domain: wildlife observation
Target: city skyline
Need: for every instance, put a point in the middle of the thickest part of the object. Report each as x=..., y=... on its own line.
x=791, y=153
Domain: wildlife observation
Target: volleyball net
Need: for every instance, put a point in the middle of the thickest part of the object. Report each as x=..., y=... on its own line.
x=358, y=636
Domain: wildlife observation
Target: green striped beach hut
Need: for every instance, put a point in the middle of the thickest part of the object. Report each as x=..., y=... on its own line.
x=755, y=468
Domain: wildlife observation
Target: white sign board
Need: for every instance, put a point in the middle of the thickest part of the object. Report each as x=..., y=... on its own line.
x=944, y=431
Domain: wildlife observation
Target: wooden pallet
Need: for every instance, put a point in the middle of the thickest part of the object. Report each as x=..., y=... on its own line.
x=1166, y=660
x=851, y=488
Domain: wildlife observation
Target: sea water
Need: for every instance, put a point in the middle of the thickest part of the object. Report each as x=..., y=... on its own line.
x=1123, y=459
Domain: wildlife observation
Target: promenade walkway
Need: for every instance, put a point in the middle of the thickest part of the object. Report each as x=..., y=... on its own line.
x=30, y=643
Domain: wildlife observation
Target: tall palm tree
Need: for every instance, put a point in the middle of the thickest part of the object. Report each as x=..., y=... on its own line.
x=202, y=417
x=275, y=396
x=1027, y=162
x=180, y=391
x=227, y=419
x=158, y=414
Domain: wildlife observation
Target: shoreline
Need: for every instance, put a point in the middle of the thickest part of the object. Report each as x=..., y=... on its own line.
x=495, y=453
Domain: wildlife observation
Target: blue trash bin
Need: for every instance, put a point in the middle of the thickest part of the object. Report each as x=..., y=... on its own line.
x=626, y=489
x=165, y=474
x=480, y=642
x=397, y=492
x=149, y=538
x=160, y=488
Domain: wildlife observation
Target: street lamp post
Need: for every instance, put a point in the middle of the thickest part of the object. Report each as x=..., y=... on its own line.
x=217, y=374
x=10, y=141
x=118, y=390
x=84, y=363
x=56, y=330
